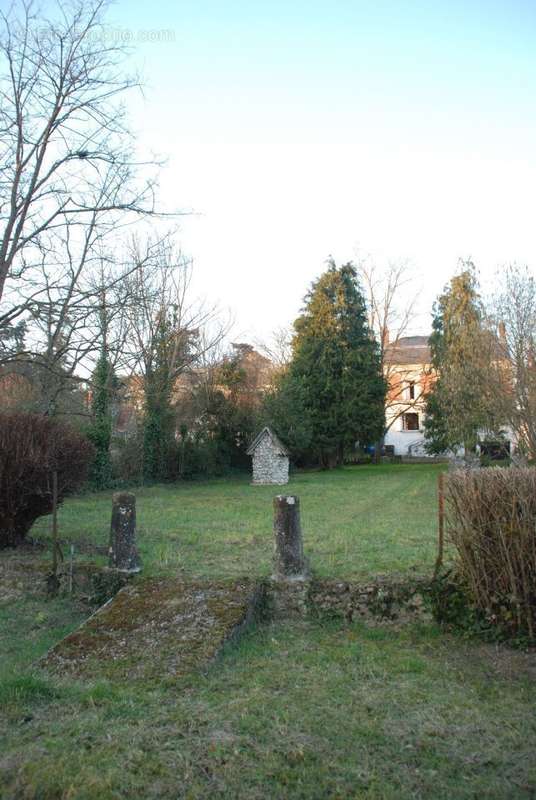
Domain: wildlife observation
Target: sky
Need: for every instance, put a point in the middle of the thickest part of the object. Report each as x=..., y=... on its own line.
x=295, y=131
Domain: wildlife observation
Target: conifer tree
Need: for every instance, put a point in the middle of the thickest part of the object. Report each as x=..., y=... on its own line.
x=460, y=406
x=100, y=430
x=334, y=380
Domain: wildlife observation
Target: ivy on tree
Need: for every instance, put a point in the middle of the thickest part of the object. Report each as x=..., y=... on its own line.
x=158, y=421
x=100, y=430
x=233, y=415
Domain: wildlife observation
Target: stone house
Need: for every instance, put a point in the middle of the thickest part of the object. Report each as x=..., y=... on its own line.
x=270, y=459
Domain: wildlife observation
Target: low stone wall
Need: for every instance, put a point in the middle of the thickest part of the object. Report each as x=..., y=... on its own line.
x=25, y=573
x=376, y=601
x=286, y=599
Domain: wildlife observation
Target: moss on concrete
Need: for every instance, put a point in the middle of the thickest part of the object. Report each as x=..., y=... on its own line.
x=156, y=628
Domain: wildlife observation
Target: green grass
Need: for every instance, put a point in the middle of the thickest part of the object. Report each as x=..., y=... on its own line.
x=31, y=625
x=356, y=522
x=297, y=710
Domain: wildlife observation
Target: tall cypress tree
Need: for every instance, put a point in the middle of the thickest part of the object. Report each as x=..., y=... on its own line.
x=461, y=405
x=335, y=374
x=100, y=430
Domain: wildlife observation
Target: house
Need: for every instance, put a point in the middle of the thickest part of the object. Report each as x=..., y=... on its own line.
x=269, y=459
x=409, y=375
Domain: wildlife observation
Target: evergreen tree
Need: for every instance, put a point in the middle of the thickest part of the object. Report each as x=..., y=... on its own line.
x=158, y=423
x=460, y=404
x=334, y=381
x=284, y=409
x=100, y=431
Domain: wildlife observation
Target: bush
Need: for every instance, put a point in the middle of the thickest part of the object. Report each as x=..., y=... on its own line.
x=31, y=448
x=127, y=459
x=203, y=457
x=491, y=521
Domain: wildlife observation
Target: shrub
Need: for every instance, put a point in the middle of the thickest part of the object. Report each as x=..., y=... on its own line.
x=127, y=459
x=31, y=448
x=201, y=457
x=491, y=521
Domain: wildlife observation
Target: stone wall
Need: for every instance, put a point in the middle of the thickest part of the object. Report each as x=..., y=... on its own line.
x=268, y=466
x=378, y=601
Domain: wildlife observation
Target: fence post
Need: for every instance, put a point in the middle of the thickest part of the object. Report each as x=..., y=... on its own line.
x=53, y=582
x=441, y=523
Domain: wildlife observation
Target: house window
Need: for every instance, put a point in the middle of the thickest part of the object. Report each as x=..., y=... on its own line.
x=411, y=390
x=410, y=422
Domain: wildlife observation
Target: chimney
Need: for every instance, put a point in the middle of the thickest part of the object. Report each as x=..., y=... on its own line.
x=385, y=337
x=502, y=331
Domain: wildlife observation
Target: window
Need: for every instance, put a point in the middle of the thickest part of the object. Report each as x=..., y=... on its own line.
x=411, y=390
x=410, y=422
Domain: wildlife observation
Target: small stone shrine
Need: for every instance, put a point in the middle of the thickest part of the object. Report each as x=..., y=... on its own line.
x=270, y=459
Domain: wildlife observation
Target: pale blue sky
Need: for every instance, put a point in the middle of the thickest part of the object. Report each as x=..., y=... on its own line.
x=300, y=130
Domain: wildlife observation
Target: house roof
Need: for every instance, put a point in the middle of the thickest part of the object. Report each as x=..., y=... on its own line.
x=409, y=350
x=278, y=445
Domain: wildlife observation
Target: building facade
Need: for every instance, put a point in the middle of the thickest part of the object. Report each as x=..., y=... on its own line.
x=410, y=377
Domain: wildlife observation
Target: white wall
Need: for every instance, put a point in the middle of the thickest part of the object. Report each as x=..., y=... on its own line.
x=403, y=439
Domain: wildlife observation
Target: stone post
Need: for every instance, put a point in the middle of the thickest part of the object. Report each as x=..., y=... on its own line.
x=123, y=552
x=288, y=544
x=288, y=588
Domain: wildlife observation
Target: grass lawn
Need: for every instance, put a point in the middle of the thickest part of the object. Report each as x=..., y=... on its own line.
x=311, y=709
x=357, y=521
x=294, y=711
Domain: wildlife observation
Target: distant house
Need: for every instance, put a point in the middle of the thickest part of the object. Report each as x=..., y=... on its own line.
x=257, y=372
x=269, y=459
x=410, y=377
x=258, y=369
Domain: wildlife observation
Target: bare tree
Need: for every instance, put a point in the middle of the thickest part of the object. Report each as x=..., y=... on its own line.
x=391, y=303
x=513, y=309
x=160, y=305
x=170, y=336
x=278, y=348
x=68, y=174
x=79, y=309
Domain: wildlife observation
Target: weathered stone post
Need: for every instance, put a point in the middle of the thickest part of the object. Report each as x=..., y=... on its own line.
x=289, y=585
x=123, y=551
x=288, y=543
